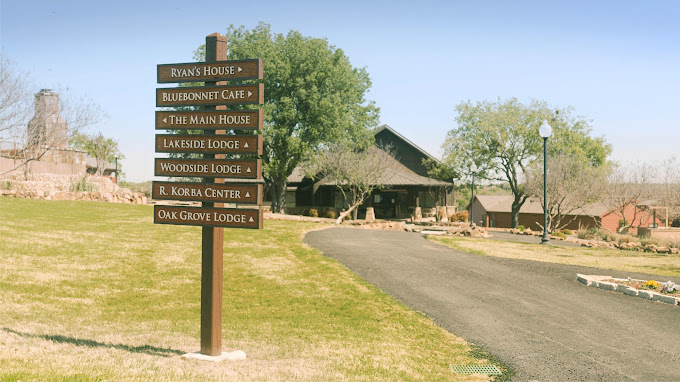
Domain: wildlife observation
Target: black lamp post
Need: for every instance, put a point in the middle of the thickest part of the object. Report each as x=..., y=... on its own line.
x=473, y=170
x=545, y=130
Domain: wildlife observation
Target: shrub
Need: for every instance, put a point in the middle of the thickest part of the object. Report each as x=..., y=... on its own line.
x=624, y=239
x=6, y=185
x=82, y=184
x=560, y=234
x=461, y=216
x=521, y=228
x=304, y=212
x=589, y=233
x=313, y=212
x=568, y=232
x=330, y=214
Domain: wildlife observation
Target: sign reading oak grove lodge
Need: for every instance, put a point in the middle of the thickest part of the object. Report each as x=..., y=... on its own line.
x=242, y=169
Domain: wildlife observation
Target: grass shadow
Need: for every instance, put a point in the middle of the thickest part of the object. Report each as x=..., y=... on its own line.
x=146, y=349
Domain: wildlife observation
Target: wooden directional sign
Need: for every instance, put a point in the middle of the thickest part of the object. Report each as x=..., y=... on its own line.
x=209, y=168
x=209, y=120
x=210, y=71
x=210, y=95
x=208, y=217
x=242, y=193
x=218, y=144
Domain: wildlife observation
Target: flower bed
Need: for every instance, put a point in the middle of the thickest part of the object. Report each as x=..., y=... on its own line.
x=668, y=288
x=647, y=289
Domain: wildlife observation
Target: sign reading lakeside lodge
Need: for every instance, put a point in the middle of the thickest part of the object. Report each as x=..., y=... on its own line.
x=213, y=71
x=211, y=217
x=236, y=144
x=209, y=120
x=210, y=95
x=242, y=193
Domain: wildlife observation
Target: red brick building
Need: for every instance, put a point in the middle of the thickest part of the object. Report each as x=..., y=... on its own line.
x=495, y=211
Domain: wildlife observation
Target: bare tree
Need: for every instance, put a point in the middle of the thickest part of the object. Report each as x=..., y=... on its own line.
x=572, y=184
x=14, y=108
x=628, y=185
x=356, y=173
x=35, y=125
x=669, y=178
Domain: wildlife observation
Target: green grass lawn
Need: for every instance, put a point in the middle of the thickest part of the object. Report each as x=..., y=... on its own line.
x=645, y=262
x=96, y=291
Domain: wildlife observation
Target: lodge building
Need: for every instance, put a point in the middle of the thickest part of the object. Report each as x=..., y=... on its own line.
x=406, y=185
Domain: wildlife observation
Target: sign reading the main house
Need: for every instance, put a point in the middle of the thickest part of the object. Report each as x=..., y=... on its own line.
x=212, y=71
x=209, y=120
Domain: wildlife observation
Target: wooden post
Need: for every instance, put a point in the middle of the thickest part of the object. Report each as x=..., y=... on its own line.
x=212, y=237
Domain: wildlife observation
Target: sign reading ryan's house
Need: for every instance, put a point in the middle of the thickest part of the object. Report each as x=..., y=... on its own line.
x=241, y=193
x=209, y=120
x=213, y=71
x=212, y=217
x=230, y=144
x=210, y=95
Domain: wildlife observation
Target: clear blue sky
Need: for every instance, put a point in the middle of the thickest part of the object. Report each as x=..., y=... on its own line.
x=615, y=62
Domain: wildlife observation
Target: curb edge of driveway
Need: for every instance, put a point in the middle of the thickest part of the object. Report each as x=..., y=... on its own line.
x=596, y=281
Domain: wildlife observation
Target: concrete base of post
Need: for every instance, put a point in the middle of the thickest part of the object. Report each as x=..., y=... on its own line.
x=418, y=214
x=370, y=214
x=236, y=355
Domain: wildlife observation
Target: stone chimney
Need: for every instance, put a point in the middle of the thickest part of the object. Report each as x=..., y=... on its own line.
x=47, y=128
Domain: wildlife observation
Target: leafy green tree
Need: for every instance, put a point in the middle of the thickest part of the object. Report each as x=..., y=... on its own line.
x=502, y=139
x=103, y=150
x=314, y=97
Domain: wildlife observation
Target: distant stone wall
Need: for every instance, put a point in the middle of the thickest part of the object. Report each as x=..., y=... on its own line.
x=68, y=187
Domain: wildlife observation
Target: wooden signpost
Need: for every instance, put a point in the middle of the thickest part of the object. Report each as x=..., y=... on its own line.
x=213, y=144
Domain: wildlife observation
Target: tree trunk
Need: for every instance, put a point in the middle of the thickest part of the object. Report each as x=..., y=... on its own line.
x=516, y=205
x=343, y=214
x=278, y=194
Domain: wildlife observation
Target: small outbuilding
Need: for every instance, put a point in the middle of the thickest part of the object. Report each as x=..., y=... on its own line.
x=495, y=211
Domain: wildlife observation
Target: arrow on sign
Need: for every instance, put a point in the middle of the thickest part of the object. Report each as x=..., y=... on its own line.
x=165, y=120
x=251, y=220
x=246, y=145
x=250, y=93
x=248, y=169
x=247, y=194
x=239, y=69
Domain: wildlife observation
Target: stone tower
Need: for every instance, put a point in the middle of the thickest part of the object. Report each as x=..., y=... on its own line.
x=47, y=127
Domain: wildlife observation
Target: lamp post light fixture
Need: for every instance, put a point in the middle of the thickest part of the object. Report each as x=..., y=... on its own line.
x=473, y=170
x=545, y=131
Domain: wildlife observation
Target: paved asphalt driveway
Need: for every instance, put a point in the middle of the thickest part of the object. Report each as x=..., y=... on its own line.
x=536, y=317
